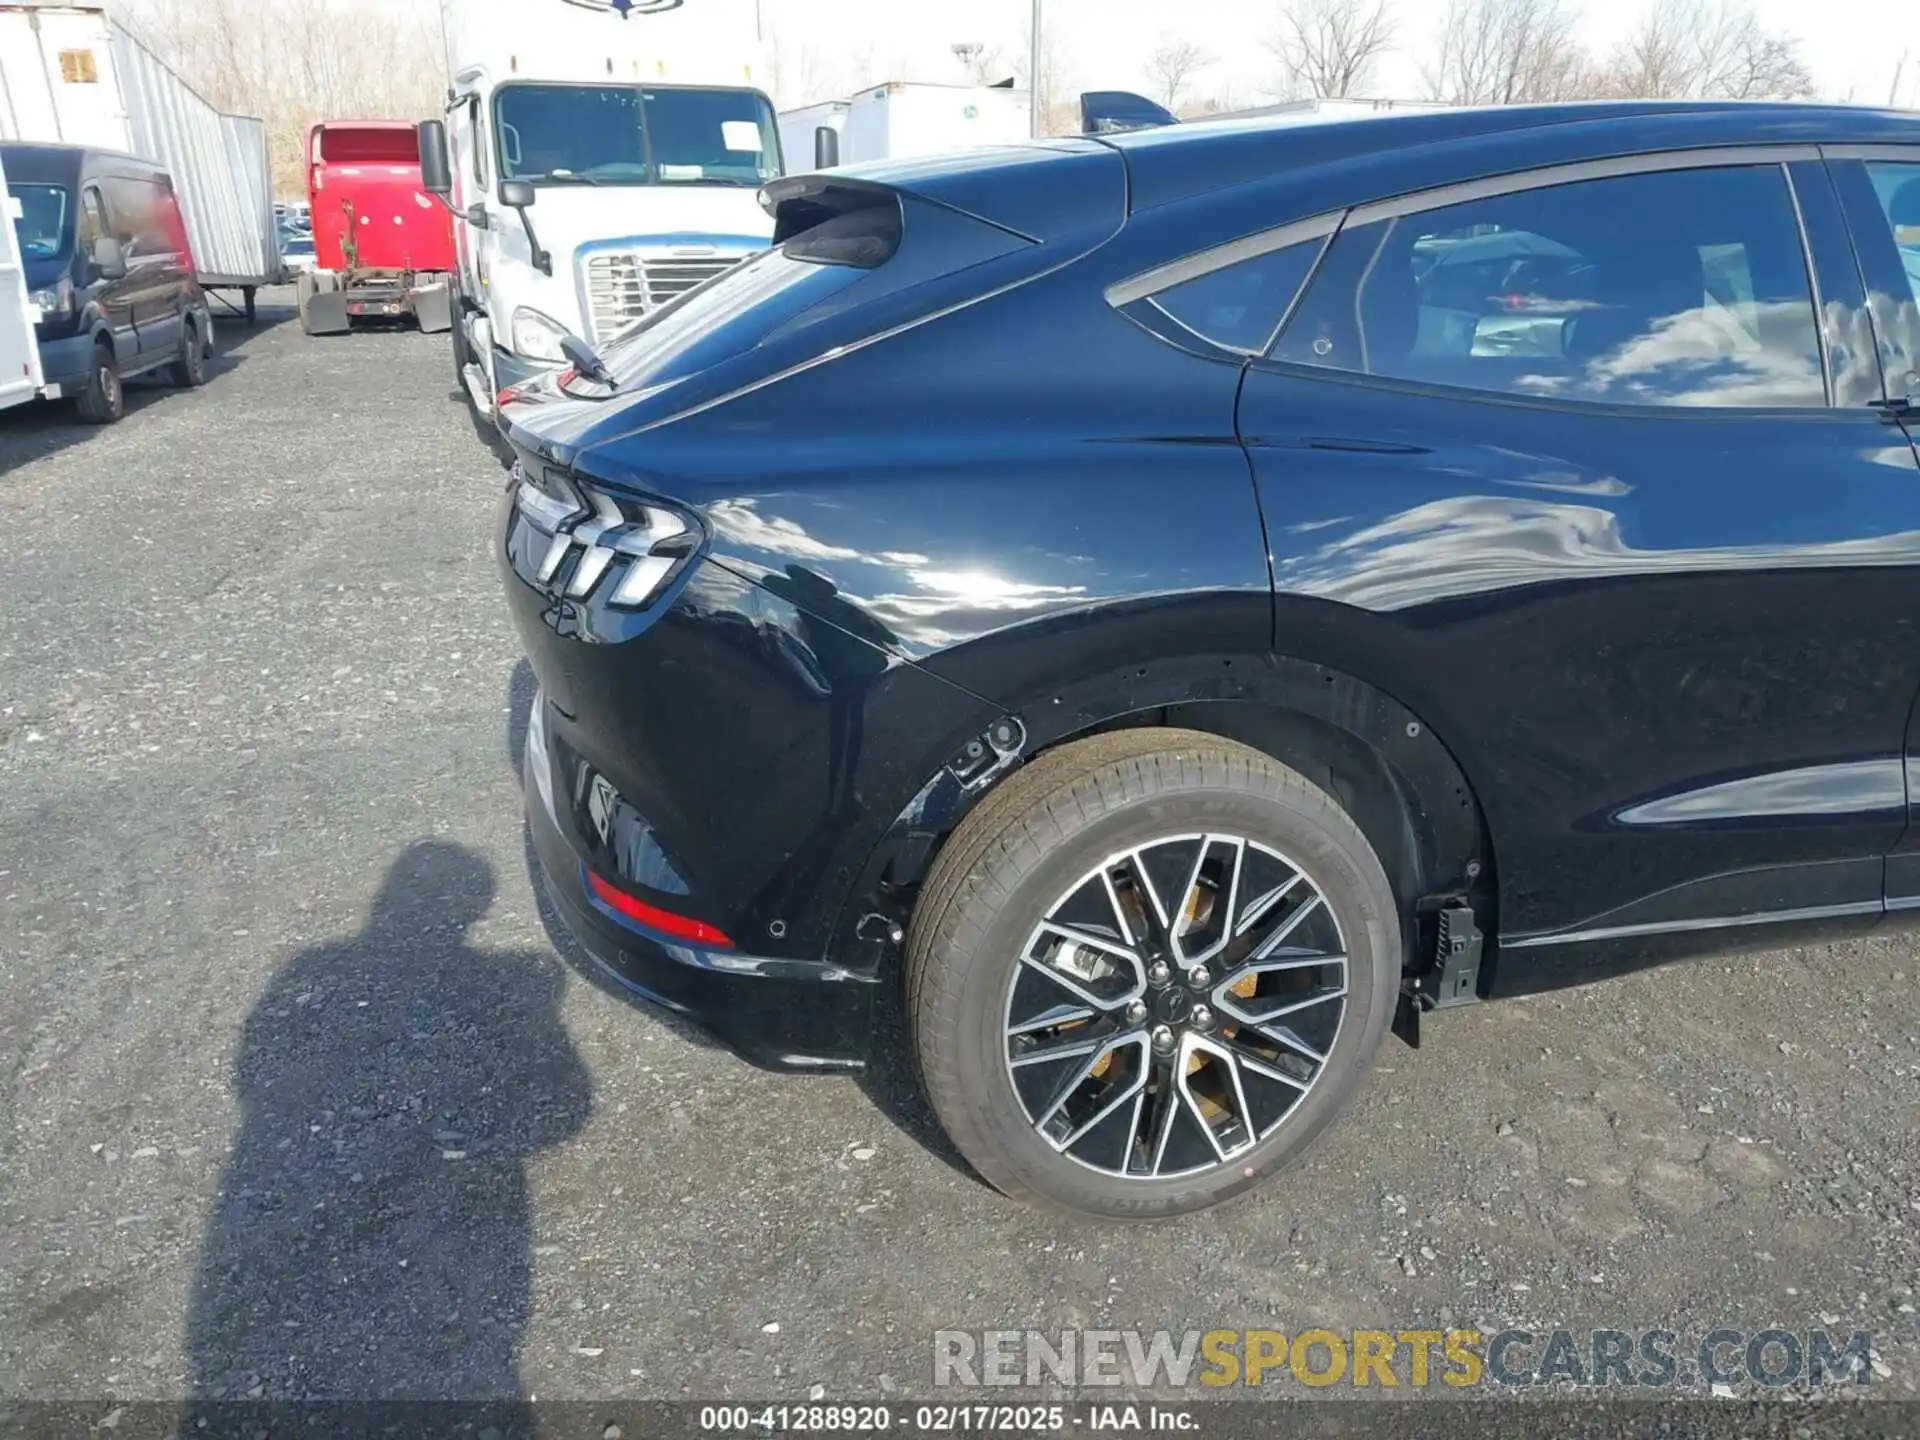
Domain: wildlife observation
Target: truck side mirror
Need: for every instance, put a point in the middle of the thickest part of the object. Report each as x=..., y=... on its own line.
x=109, y=260
x=436, y=171
x=518, y=195
x=826, y=148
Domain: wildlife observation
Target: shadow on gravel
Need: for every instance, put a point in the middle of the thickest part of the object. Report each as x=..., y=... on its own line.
x=46, y=427
x=890, y=1079
x=372, y=1238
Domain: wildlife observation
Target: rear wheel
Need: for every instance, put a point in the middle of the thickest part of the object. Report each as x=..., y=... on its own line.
x=104, y=400
x=1147, y=971
x=190, y=369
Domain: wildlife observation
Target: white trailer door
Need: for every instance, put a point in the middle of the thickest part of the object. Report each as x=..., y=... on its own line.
x=19, y=355
x=60, y=82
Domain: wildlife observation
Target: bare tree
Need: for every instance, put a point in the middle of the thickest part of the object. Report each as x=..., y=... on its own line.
x=1707, y=49
x=1173, y=65
x=985, y=64
x=1507, y=52
x=800, y=73
x=1059, y=114
x=294, y=62
x=1330, y=47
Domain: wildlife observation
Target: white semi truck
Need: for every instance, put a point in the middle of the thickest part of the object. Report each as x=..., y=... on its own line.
x=600, y=157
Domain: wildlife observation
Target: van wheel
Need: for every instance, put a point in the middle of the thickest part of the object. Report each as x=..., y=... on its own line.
x=190, y=370
x=1147, y=971
x=105, y=398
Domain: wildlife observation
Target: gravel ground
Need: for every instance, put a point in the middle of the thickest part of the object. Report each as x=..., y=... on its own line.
x=300, y=1100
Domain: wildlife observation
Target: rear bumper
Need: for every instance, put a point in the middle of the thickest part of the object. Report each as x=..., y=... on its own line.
x=778, y=1013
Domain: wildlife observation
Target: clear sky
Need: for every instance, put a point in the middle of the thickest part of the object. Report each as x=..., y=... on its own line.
x=1851, y=46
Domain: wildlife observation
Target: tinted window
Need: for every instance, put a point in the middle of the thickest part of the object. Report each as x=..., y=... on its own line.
x=1898, y=189
x=137, y=221
x=1241, y=306
x=93, y=220
x=170, y=224
x=1684, y=287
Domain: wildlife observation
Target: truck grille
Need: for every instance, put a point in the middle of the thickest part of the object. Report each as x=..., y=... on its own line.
x=622, y=287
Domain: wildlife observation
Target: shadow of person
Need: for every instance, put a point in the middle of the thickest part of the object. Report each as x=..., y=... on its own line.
x=372, y=1237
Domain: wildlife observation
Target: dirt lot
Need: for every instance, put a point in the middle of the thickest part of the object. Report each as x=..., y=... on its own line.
x=300, y=1100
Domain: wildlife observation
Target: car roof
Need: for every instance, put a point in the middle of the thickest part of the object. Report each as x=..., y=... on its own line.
x=62, y=164
x=1179, y=162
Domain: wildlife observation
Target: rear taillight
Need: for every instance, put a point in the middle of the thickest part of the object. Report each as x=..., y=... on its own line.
x=631, y=547
x=652, y=917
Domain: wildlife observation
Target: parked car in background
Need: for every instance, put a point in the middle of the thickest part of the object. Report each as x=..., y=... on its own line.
x=297, y=252
x=110, y=272
x=905, y=619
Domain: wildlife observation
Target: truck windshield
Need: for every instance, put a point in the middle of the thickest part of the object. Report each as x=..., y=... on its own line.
x=625, y=135
x=43, y=224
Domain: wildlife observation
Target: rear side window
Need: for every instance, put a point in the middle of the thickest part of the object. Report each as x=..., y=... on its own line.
x=1241, y=306
x=137, y=216
x=1897, y=186
x=1681, y=287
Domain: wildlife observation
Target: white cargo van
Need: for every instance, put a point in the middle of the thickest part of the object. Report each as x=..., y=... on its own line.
x=19, y=351
x=600, y=158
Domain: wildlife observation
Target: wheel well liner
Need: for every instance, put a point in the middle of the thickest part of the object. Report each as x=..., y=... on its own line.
x=1383, y=763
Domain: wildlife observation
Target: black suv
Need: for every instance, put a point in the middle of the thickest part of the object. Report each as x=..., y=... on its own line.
x=110, y=268
x=1169, y=606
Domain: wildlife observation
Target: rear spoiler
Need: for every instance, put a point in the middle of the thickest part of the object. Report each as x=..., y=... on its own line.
x=1110, y=112
x=797, y=203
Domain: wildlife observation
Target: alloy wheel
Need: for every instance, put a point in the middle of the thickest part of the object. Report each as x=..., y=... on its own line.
x=1175, y=1005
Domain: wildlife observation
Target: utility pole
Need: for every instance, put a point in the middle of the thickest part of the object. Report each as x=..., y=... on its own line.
x=1033, y=76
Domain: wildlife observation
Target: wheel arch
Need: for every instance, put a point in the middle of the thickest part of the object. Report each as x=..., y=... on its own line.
x=1385, y=765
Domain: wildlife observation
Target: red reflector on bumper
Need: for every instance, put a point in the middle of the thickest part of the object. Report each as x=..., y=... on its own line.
x=695, y=932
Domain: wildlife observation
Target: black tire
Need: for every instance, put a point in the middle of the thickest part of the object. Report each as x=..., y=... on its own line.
x=1027, y=842
x=104, y=400
x=189, y=372
x=253, y=303
x=460, y=352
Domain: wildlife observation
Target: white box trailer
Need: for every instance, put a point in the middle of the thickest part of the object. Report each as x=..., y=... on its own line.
x=20, y=377
x=901, y=120
x=75, y=74
x=810, y=137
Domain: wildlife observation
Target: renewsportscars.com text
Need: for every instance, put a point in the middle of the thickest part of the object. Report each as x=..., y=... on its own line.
x=1390, y=1359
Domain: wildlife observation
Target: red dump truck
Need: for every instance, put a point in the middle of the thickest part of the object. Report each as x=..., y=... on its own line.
x=383, y=247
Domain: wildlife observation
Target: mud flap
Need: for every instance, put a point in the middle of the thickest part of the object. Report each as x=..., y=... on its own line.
x=433, y=308
x=323, y=306
x=325, y=314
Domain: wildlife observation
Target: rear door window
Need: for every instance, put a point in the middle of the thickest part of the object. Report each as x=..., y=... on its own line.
x=1669, y=288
